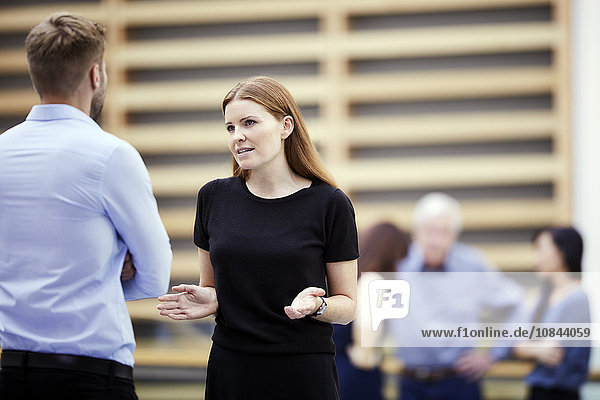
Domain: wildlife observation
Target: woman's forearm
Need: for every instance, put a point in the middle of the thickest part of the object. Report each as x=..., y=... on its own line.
x=340, y=310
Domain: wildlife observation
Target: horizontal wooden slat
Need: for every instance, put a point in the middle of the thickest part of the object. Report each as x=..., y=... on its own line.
x=154, y=13
x=17, y=102
x=169, y=96
x=185, y=266
x=185, y=180
x=13, y=61
x=496, y=214
x=144, y=309
x=364, y=89
x=306, y=47
x=176, y=138
x=206, y=94
x=296, y=48
x=189, y=355
x=179, y=12
x=509, y=256
x=22, y=19
x=449, y=128
x=179, y=221
x=445, y=172
x=449, y=41
x=393, y=6
x=418, y=86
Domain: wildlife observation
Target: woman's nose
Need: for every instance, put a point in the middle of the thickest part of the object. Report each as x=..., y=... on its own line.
x=238, y=136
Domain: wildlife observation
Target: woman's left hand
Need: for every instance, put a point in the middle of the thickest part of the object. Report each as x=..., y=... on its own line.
x=305, y=303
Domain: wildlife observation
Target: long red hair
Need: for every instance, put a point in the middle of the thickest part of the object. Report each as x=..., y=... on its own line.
x=300, y=153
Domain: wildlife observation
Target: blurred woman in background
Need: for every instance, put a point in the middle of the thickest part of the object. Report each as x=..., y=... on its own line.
x=559, y=370
x=381, y=248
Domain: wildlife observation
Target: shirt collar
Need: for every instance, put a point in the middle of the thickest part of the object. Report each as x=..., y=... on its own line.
x=49, y=112
x=441, y=268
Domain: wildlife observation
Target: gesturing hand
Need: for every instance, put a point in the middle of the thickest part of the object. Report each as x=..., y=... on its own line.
x=305, y=303
x=191, y=302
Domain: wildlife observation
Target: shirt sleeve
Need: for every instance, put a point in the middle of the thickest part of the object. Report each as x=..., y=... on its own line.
x=575, y=309
x=340, y=225
x=130, y=204
x=203, y=207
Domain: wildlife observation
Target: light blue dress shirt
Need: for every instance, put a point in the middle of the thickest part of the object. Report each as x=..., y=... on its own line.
x=73, y=200
x=458, y=296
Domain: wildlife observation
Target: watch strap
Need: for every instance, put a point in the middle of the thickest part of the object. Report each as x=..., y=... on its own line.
x=321, y=308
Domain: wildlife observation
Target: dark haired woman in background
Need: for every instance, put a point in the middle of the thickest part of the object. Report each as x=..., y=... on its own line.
x=559, y=371
x=381, y=248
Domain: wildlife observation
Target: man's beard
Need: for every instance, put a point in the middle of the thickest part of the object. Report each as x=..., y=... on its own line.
x=96, y=107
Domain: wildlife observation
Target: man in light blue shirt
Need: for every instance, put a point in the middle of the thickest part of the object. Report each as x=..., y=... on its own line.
x=74, y=201
x=451, y=286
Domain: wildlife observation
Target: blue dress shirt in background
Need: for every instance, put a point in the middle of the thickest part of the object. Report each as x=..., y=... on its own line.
x=73, y=200
x=455, y=297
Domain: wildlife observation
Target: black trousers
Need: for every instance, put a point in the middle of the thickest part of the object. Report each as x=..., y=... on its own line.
x=53, y=382
x=539, y=393
x=235, y=375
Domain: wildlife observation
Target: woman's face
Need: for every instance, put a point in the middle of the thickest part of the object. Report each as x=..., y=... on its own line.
x=256, y=137
x=547, y=256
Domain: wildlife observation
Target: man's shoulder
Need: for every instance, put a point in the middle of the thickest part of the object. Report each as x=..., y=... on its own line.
x=12, y=131
x=466, y=258
x=111, y=144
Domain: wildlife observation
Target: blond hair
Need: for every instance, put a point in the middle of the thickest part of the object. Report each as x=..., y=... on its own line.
x=60, y=49
x=300, y=153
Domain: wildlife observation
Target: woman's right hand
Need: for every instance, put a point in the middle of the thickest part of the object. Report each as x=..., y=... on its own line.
x=190, y=302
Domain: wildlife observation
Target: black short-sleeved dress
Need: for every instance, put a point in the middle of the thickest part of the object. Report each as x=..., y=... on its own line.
x=263, y=253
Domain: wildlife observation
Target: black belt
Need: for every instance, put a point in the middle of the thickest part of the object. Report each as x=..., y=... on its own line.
x=428, y=375
x=27, y=359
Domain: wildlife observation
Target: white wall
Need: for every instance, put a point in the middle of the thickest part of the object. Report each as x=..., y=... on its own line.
x=585, y=78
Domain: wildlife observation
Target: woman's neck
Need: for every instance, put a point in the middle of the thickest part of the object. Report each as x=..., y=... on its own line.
x=274, y=184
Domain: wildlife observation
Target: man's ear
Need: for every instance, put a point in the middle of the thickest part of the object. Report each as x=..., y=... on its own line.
x=95, y=76
x=288, y=126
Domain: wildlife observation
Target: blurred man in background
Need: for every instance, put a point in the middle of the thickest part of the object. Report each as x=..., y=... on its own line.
x=80, y=231
x=447, y=370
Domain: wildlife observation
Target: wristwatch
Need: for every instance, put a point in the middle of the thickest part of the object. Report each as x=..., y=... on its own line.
x=320, y=310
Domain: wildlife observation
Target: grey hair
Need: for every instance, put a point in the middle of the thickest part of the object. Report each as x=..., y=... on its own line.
x=436, y=204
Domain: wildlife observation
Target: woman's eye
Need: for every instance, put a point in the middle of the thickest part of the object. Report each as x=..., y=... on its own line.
x=230, y=128
x=249, y=122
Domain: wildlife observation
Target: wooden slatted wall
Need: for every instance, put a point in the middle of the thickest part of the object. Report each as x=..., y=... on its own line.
x=402, y=98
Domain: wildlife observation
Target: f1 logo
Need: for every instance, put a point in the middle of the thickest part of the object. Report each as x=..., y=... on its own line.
x=388, y=299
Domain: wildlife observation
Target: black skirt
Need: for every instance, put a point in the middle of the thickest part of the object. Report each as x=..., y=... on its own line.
x=235, y=375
